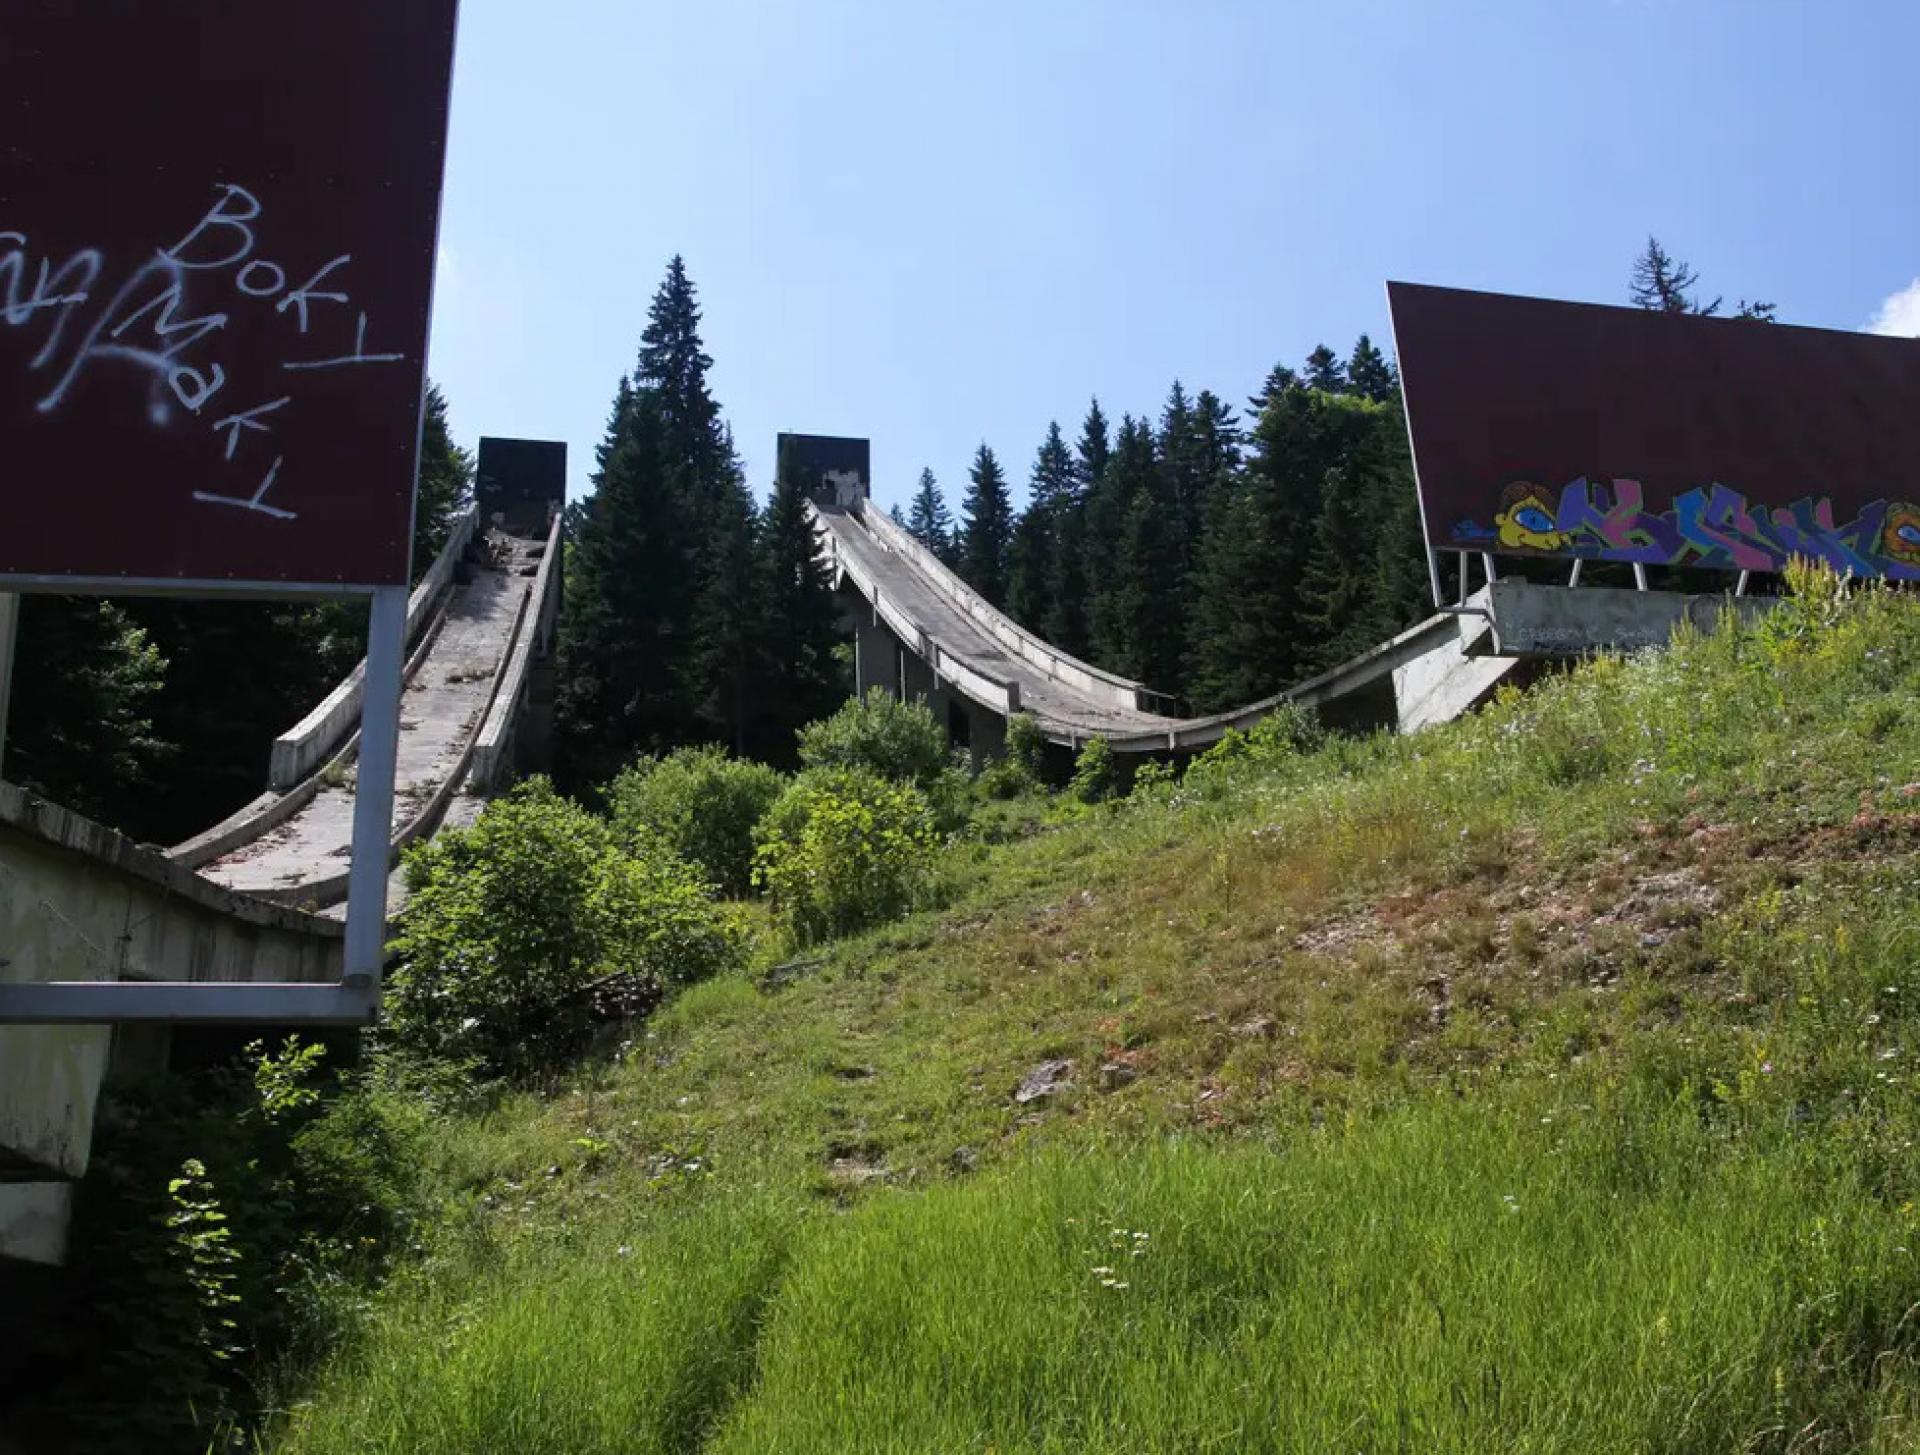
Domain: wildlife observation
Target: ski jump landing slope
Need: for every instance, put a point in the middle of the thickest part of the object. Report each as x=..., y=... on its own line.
x=1430, y=673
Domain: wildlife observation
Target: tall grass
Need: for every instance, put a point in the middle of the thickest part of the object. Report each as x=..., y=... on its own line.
x=1667, y=1207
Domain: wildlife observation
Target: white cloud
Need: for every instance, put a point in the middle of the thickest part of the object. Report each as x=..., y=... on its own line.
x=1900, y=314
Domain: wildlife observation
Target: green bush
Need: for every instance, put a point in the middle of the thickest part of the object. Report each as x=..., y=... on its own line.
x=1285, y=732
x=514, y=924
x=702, y=804
x=844, y=848
x=1096, y=773
x=898, y=740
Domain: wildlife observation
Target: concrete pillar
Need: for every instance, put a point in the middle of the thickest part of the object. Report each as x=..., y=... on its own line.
x=916, y=682
x=876, y=656
x=987, y=737
x=9, y=622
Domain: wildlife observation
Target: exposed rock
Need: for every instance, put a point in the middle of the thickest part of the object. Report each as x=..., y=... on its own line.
x=1114, y=1075
x=1256, y=1028
x=1043, y=1080
x=963, y=1159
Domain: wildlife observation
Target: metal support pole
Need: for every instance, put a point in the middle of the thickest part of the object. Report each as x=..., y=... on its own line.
x=1639, y=576
x=373, y=791
x=1464, y=585
x=1573, y=576
x=1739, y=587
x=9, y=629
x=1433, y=579
x=1486, y=564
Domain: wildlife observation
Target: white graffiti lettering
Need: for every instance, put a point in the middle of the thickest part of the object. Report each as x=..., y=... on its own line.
x=358, y=356
x=219, y=217
x=247, y=419
x=159, y=320
x=254, y=501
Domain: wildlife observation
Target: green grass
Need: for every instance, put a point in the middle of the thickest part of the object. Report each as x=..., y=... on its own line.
x=1543, y=1082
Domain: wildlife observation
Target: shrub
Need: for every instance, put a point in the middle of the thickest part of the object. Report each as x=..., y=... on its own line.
x=1026, y=746
x=1286, y=731
x=513, y=923
x=1096, y=773
x=702, y=804
x=844, y=848
x=897, y=740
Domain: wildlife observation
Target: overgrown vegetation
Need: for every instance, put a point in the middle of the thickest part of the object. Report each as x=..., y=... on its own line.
x=1539, y=1082
x=519, y=929
x=699, y=802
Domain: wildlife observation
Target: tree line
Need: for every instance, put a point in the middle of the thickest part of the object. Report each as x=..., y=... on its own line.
x=1213, y=558
x=1216, y=554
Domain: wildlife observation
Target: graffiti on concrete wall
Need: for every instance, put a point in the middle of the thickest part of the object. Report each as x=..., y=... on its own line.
x=1713, y=525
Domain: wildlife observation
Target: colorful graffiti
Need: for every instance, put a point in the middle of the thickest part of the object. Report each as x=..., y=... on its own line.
x=1714, y=525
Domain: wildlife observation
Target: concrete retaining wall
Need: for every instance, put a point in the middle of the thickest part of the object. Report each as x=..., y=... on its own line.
x=493, y=753
x=81, y=902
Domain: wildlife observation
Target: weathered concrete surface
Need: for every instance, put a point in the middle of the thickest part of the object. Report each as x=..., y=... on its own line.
x=951, y=629
x=304, y=860
x=33, y=1220
x=81, y=902
x=1557, y=621
x=496, y=754
x=317, y=736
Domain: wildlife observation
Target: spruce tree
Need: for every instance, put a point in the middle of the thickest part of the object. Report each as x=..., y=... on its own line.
x=724, y=624
x=1183, y=467
x=1323, y=371
x=986, y=528
x=1137, y=624
x=654, y=644
x=445, y=485
x=624, y=625
x=1034, y=564
x=80, y=730
x=1278, y=381
x=1092, y=451
x=800, y=676
x=929, y=520
x=1369, y=374
x=1662, y=283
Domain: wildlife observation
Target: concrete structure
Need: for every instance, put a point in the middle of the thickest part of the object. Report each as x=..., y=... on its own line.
x=78, y=902
x=81, y=902
x=1528, y=620
x=922, y=632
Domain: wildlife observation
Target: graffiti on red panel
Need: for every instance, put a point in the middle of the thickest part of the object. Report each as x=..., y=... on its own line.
x=1714, y=525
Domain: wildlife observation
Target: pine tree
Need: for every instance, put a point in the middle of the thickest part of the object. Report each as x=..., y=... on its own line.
x=801, y=677
x=1278, y=381
x=720, y=669
x=1369, y=374
x=625, y=623
x=1092, y=452
x=1136, y=621
x=445, y=483
x=654, y=645
x=1183, y=467
x=1034, y=567
x=1661, y=284
x=896, y=515
x=1324, y=372
x=929, y=520
x=986, y=528
x=80, y=730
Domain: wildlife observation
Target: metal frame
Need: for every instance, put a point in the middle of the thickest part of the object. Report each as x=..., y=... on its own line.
x=355, y=997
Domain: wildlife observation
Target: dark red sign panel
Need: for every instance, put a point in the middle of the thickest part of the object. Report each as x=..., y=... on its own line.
x=1570, y=429
x=217, y=227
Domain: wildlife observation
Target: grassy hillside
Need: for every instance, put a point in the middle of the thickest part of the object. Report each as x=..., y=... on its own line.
x=1542, y=1082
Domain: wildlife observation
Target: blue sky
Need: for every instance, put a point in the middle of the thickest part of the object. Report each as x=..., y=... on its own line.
x=933, y=225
